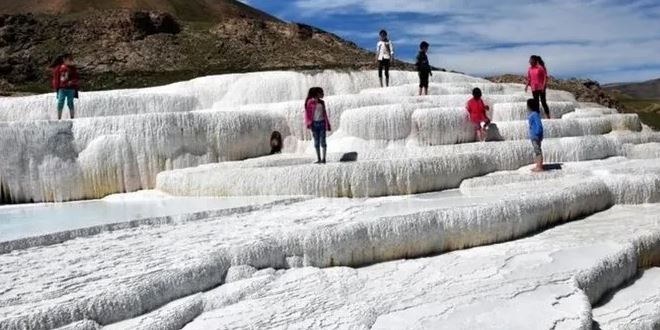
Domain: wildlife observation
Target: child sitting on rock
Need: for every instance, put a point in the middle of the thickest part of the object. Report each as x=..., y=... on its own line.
x=316, y=119
x=476, y=108
x=535, y=132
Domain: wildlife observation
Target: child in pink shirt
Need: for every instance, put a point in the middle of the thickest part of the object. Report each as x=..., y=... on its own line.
x=537, y=79
x=316, y=119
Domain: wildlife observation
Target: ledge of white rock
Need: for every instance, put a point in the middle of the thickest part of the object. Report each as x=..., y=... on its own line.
x=165, y=263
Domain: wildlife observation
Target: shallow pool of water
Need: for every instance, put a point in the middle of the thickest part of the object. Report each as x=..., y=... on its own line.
x=20, y=221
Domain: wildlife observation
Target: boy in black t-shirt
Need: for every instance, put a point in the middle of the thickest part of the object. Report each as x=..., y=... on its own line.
x=423, y=68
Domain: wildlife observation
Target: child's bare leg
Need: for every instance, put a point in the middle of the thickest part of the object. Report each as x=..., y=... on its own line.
x=539, y=164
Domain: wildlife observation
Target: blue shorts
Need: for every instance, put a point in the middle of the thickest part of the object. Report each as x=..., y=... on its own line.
x=65, y=95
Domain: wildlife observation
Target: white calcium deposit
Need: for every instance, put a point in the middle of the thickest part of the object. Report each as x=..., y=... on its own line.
x=427, y=229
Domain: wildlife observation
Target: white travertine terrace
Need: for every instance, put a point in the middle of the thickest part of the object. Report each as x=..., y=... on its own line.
x=428, y=229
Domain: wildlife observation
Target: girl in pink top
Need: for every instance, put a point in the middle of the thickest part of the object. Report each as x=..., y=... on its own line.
x=316, y=119
x=537, y=79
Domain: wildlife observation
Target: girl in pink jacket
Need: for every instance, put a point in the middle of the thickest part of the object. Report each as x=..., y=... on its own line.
x=537, y=79
x=316, y=119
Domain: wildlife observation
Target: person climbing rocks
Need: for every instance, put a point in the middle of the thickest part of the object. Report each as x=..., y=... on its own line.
x=537, y=79
x=66, y=83
x=423, y=68
x=535, y=132
x=476, y=109
x=384, y=56
x=316, y=120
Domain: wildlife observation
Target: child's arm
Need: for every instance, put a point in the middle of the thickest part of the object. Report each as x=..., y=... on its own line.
x=545, y=78
x=327, y=119
x=74, y=82
x=56, y=79
x=378, y=45
x=537, y=127
x=391, y=51
x=309, y=113
x=429, y=64
x=529, y=81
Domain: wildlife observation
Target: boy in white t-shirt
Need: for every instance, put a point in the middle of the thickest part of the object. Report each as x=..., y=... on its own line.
x=384, y=54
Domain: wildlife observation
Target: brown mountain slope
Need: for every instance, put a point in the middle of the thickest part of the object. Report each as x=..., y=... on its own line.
x=647, y=90
x=123, y=48
x=643, y=98
x=189, y=10
x=585, y=90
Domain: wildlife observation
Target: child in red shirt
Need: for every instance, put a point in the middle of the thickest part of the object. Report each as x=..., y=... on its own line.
x=66, y=83
x=476, y=108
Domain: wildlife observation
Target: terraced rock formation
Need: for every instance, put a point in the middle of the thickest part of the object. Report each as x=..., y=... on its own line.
x=428, y=229
x=125, y=44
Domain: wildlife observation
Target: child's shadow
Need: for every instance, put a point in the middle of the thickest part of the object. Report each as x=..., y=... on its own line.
x=552, y=167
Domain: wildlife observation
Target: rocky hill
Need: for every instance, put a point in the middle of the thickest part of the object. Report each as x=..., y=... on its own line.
x=643, y=97
x=585, y=90
x=648, y=90
x=121, y=44
x=188, y=10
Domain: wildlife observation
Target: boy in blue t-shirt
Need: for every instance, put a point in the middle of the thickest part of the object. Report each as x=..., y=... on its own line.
x=535, y=133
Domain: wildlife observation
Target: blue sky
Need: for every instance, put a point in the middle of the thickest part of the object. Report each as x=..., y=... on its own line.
x=606, y=40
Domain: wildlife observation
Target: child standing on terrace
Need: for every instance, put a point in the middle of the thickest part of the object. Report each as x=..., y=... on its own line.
x=535, y=133
x=384, y=54
x=423, y=68
x=66, y=83
x=316, y=119
x=537, y=79
x=476, y=108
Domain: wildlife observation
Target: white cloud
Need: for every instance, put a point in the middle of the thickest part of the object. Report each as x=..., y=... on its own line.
x=599, y=38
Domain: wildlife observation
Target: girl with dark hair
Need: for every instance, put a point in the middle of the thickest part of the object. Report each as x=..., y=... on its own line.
x=66, y=83
x=537, y=79
x=476, y=109
x=384, y=54
x=316, y=119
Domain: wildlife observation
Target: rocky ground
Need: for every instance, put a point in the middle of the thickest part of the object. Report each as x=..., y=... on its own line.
x=122, y=48
x=585, y=90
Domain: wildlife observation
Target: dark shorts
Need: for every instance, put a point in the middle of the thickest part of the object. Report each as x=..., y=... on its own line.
x=424, y=79
x=384, y=64
x=537, y=147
